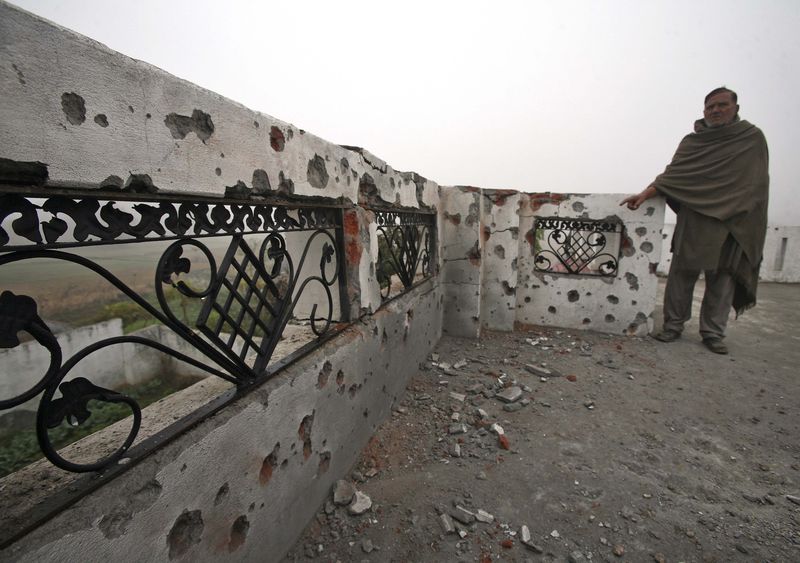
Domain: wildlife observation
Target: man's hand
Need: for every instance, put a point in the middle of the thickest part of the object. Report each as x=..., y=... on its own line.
x=635, y=201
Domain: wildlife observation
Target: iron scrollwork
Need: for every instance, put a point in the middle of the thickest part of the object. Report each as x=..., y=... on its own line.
x=405, y=249
x=575, y=246
x=247, y=301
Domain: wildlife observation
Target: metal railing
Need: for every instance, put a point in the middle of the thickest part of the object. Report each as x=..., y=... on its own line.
x=576, y=246
x=406, y=247
x=246, y=302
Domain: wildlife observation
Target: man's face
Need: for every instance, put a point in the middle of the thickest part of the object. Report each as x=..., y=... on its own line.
x=720, y=110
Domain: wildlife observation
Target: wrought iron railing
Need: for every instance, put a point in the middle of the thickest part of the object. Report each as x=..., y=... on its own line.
x=406, y=243
x=246, y=302
x=577, y=246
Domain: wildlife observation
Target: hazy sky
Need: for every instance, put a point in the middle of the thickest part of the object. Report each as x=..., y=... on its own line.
x=568, y=96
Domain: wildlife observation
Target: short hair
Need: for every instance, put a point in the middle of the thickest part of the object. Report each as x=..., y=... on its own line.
x=721, y=90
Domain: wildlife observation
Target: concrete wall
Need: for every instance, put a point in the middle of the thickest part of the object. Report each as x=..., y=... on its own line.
x=489, y=272
x=781, y=261
x=246, y=481
x=243, y=483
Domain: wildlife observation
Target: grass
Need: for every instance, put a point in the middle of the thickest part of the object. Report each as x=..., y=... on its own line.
x=22, y=448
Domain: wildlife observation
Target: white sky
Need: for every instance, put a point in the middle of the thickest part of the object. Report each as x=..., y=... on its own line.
x=568, y=96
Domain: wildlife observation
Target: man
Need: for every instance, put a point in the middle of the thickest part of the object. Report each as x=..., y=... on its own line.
x=718, y=184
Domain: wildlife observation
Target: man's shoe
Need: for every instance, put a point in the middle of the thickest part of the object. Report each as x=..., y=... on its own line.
x=715, y=345
x=667, y=335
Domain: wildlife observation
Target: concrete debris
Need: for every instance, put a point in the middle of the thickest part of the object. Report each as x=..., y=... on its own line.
x=461, y=514
x=457, y=396
x=360, y=504
x=576, y=557
x=366, y=546
x=447, y=524
x=541, y=371
x=793, y=498
x=371, y=473
x=343, y=492
x=461, y=364
x=619, y=550
x=589, y=404
x=455, y=417
x=555, y=534
x=482, y=413
x=497, y=429
x=483, y=516
x=510, y=394
x=457, y=429
x=455, y=450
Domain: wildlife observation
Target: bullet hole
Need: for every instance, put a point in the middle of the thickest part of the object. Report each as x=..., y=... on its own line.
x=508, y=289
x=384, y=337
x=304, y=433
x=284, y=463
x=316, y=172
x=285, y=185
x=586, y=320
x=455, y=219
x=20, y=76
x=218, y=171
x=222, y=155
x=238, y=533
x=353, y=390
x=610, y=318
x=130, y=109
x=340, y=377
x=140, y=184
x=101, y=120
x=641, y=231
x=199, y=123
x=551, y=310
x=653, y=267
x=74, y=107
x=269, y=464
x=324, y=463
x=391, y=183
x=252, y=507
x=613, y=299
x=261, y=181
x=514, y=264
x=527, y=300
x=474, y=254
x=324, y=373
x=256, y=125
x=577, y=207
x=646, y=247
x=27, y=173
x=148, y=116
x=276, y=139
x=238, y=191
x=500, y=251
x=649, y=212
x=183, y=468
x=366, y=413
x=632, y=280
x=186, y=531
x=222, y=494
x=573, y=295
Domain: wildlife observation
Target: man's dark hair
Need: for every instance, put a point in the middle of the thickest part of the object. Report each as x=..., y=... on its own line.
x=721, y=90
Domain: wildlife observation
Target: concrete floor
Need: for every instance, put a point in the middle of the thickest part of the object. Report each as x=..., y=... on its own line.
x=632, y=450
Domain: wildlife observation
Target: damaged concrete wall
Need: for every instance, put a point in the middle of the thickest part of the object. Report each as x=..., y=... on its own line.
x=461, y=257
x=245, y=482
x=499, y=277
